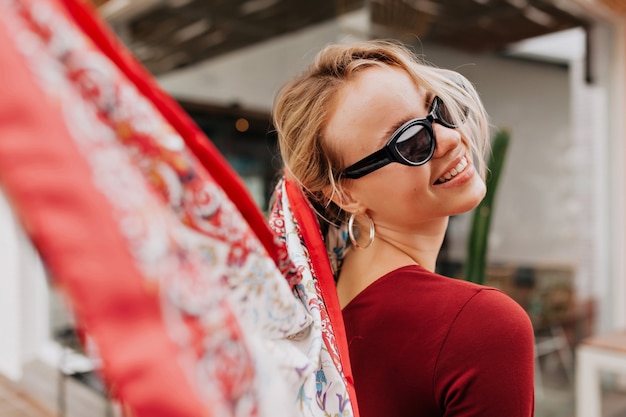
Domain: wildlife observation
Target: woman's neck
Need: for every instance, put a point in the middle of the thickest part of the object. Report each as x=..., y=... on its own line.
x=390, y=250
x=422, y=246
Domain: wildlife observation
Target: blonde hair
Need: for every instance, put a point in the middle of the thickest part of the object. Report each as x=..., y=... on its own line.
x=302, y=107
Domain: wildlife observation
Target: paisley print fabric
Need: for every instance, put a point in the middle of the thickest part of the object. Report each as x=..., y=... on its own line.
x=293, y=220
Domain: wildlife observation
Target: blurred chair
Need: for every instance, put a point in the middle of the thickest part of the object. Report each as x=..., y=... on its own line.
x=74, y=364
x=551, y=342
x=550, y=309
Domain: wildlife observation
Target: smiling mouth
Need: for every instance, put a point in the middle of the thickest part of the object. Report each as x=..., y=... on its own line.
x=460, y=167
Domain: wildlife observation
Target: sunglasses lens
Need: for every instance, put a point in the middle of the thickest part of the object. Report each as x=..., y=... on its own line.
x=444, y=115
x=415, y=144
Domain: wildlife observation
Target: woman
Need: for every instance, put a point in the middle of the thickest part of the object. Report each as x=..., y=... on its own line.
x=389, y=148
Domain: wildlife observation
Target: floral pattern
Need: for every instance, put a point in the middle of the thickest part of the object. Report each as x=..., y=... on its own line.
x=331, y=392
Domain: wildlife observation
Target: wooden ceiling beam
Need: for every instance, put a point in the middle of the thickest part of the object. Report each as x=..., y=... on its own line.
x=161, y=37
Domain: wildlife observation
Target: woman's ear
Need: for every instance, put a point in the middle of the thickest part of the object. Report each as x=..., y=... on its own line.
x=342, y=197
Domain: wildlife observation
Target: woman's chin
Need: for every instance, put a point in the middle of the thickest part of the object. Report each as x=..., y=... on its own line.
x=473, y=198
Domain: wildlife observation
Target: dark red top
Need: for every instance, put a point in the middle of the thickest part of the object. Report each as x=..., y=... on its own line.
x=424, y=345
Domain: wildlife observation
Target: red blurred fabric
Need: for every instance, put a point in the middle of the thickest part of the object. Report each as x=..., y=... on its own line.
x=76, y=235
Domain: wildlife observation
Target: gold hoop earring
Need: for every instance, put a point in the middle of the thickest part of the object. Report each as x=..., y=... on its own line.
x=351, y=232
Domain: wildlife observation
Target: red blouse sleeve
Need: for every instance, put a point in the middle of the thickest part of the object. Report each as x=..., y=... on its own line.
x=486, y=365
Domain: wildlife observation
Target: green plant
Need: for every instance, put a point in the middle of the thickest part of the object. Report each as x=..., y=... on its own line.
x=478, y=239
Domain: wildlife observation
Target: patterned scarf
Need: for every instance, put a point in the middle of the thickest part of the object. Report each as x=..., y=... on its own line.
x=196, y=306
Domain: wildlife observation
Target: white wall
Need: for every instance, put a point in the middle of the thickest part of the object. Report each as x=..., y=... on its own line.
x=10, y=317
x=619, y=108
x=251, y=76
x=608, y=42
x=535, y=204
x=24, y=327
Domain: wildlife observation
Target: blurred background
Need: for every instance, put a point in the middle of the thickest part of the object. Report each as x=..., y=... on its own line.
x=551, y=72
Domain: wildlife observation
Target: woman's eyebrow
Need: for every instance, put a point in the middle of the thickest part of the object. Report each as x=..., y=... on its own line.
x=392, y=129
x=428, y=100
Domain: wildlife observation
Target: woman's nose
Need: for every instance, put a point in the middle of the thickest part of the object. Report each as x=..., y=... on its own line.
x=447, y=139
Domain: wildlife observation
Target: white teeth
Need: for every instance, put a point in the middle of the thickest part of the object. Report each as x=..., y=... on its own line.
x=460, y=167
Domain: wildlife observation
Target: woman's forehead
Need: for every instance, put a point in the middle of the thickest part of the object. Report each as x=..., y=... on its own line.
x=377, y=91
x=368, y=107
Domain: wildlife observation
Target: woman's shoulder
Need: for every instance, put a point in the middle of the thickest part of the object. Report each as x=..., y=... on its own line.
x=492, y=319
x=470, y=298
x=415, y=275
x=418, y=292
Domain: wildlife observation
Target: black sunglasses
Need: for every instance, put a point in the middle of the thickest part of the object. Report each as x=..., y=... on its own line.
x=412, y=144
